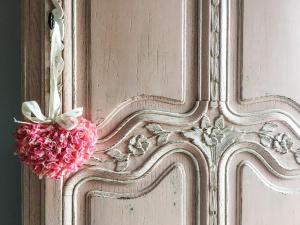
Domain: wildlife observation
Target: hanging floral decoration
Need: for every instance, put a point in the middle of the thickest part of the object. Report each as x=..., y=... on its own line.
x=57, y=145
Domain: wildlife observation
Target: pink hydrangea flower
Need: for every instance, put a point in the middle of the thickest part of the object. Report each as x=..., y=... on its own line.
x=53, y=151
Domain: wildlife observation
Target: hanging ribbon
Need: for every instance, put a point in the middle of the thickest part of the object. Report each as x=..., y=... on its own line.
x=30, y=109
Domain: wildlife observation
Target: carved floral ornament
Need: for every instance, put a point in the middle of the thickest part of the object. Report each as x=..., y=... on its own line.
x=212, y=137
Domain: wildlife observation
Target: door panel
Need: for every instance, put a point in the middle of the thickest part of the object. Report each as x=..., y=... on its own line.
x=143, y=205
x=259, y=191
x=170, y=187
x=137, y=70
x=136, y=55
x=262, y=52
x=269, y=50
x=284, y=199
x=259, y=174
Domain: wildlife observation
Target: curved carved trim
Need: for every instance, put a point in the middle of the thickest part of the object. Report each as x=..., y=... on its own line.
x=270, y=98
x=280, y=142
x=130, y=176
x=232, y=94
x=137, y=146
x=139, y=193
x=95, y=173
x=108, y=137
x=143, y=192
x=211, y=137
x=123, y=131
x=215, y=140
x=264, y=157
x=260, y=117
x=251, y=118
x=143, y=98
x=208, y=137
x=260, y=99
x=260, y=153
x=266, y=180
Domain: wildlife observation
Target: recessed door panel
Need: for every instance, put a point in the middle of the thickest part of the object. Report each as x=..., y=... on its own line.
x=262, y=49
x=257, y=190
x=137, y=55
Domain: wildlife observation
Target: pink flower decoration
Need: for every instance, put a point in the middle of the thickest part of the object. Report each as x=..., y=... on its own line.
x=53, y=151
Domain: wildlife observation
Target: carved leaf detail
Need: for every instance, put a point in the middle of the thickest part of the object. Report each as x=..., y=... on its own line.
x=135, y=151
x=162, y=135
x=138, y=145
x=268, y=127
x=266, y=140
x=121, y=166
x=122, y=160
x=231, y=136
x=117, y=155
x=154, y=128
x=280, y=142
x=205, y=122
x=194, y=135
x=210, y=141
x=163, y=138
x=219, y=123
x=283, y=143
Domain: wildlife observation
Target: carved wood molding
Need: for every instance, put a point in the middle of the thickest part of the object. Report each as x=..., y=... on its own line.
x=75, y=183
x=281, y=142
x=215, y=52
x=240, y=74
x=138, y=193
x=236, y=109
x=212, y=138
x=254, y=154
x=121, y=133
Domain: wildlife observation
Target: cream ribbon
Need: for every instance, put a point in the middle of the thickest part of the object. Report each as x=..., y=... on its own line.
x=31, y=109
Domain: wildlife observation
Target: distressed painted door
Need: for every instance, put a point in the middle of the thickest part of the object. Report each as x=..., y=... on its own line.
x=197, y=107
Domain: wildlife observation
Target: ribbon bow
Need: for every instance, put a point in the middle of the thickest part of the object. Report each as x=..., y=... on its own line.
x=31, y=109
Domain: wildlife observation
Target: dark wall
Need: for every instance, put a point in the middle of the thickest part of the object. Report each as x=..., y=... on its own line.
x=10, y=82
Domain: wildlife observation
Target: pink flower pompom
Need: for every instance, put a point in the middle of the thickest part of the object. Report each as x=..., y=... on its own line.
x=53, y=151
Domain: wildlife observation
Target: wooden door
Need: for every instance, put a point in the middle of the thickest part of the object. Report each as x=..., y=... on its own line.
x=197, y=108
